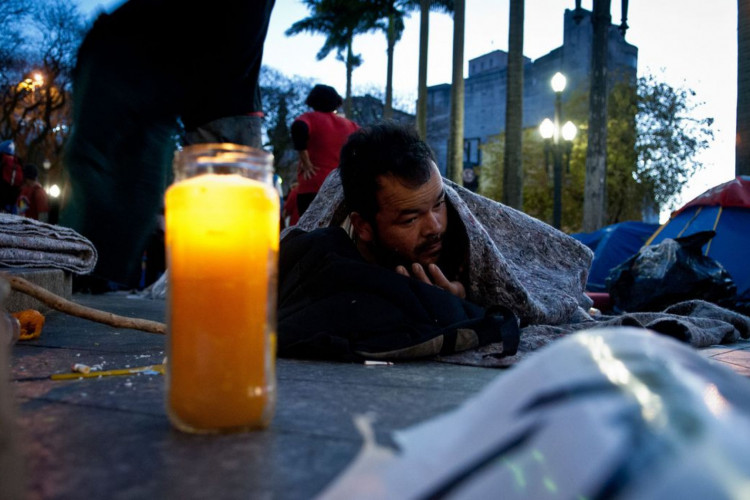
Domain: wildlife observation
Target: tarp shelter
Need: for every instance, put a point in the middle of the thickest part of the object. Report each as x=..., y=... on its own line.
x=613, y=245
x=725, y=209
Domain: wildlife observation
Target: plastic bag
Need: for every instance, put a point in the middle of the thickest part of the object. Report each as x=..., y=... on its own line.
x=673, y=271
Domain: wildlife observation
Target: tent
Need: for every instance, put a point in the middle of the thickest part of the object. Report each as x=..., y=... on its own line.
x=725, y=209
x=613, y=245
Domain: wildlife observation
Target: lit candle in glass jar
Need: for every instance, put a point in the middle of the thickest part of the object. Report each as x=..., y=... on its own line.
x=222, y=237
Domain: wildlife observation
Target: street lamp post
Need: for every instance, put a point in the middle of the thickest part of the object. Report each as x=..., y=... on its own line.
x=561, y=143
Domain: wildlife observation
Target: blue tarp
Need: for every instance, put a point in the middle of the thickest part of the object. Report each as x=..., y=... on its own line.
x=731, y=245
x=613, y=245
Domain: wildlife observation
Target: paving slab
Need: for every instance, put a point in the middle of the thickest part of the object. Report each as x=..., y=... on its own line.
x=109, y=437
x=735, y=356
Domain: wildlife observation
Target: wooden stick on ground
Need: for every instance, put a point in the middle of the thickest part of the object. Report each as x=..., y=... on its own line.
x=63, y=305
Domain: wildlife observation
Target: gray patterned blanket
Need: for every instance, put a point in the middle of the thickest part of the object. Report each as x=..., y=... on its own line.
x=26, y=242
x=694, y=322
x=515, y=261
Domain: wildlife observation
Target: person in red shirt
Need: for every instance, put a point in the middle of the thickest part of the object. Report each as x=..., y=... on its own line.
x=11, y=178
x=318, y=136
x=32, y=200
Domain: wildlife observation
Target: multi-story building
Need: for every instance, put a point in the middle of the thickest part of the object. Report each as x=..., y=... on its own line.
x=485, y=88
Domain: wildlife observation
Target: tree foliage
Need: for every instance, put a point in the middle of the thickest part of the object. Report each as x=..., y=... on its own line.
x=13, y=15
x=36, y=76
x=669, y=138
x=339, y=21
x=653, y=139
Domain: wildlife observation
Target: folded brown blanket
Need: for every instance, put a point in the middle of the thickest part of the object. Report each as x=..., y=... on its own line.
x=27, y=242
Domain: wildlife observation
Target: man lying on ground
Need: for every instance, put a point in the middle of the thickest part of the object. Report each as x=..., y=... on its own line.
x=428, y=268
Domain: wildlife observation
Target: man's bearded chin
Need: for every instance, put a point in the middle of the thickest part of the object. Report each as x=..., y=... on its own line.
x=422, y=248
x=391, y=258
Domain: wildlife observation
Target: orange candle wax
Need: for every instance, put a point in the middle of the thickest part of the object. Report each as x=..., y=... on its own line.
x=222, y=235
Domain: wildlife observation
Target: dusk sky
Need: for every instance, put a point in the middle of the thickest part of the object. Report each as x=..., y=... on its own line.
x=690, y=43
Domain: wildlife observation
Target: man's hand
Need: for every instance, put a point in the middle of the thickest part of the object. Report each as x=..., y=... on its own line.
x=438, y=278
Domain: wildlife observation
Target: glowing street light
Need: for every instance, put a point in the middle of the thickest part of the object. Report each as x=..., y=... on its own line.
x=547, y=129
x=31, y=83
x=558, y=82
x=551, y=132
x=569, y=131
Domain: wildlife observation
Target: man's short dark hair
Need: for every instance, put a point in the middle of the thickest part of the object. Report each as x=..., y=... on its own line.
x=383, y=149
x=324, y=98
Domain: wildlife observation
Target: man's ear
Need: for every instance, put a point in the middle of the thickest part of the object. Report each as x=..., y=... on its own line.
x=362, y=229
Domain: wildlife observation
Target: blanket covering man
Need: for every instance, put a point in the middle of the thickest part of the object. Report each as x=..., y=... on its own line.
x=515, y=260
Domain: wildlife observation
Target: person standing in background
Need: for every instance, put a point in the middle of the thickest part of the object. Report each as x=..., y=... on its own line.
x=32, y=201
x=140, y=71
x=318, y=136
x=11, y=178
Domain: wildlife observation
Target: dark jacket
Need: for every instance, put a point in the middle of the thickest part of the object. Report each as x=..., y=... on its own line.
x=333, y=304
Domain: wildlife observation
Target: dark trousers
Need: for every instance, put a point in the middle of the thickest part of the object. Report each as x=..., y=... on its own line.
x=140, y=69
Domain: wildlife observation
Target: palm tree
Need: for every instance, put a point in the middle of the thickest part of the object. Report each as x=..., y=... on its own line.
x=424, y=30
x=394, y=28
x=742, y=148
x=339, y=21
x=512, y=159
x=595, y=195
x=456, y=142
x=394, y=12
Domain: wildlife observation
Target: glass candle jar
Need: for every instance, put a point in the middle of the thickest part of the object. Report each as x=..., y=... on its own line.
x=222, y=240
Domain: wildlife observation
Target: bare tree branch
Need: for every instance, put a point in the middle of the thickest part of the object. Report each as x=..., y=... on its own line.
x=63, y=305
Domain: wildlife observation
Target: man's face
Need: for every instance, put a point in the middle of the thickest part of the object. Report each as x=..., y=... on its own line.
x=410, y=222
